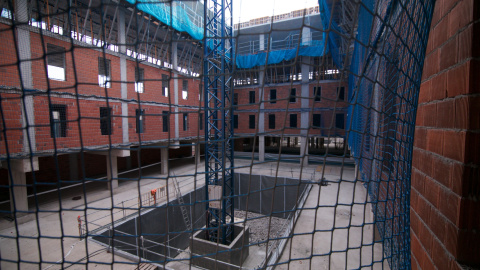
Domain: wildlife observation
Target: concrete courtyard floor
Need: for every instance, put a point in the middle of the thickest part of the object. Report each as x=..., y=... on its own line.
x=329, y=233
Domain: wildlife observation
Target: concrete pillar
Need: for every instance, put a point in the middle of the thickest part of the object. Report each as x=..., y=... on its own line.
x=175, y=87
x=112, y=167
x=164, y=160
x=305, y=115
x=261, y=118
x=73, y=164
x=261, y=148
x=306, y=36
x=24, y=53
x=262, y=42
x=18, y=184
x=123, y=72
x=112, y=172
x=197, y=153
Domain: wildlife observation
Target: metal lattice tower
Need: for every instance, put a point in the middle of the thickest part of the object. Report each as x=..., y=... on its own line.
x=218, y=68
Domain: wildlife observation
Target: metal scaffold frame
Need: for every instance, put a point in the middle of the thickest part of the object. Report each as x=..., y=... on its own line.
x=218, y=69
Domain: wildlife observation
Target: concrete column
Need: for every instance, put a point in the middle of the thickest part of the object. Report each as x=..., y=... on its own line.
x=73, y=164
x=305, y=115
x=261, y=118
x=261, y=148
x=175, y=87
x=18, y=184
x=262, y=42
x=197, y=153
x=24, y=52
x=164, y=160
x=123, y=73
x=112, y=172
x=306, y=36
x=112, y=167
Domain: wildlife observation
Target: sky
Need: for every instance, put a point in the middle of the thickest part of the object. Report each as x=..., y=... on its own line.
x=245, y=10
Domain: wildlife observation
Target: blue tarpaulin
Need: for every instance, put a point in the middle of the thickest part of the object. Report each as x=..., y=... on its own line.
x=161, y=11
x=275, y=57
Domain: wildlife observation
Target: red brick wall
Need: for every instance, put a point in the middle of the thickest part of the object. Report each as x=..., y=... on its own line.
x=10, y=110
x=324, y=107
x=445, y=208
x=82, y=77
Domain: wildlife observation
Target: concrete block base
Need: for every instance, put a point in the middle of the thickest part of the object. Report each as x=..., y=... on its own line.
x=221, y=256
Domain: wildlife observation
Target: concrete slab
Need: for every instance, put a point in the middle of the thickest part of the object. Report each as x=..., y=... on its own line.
x=332, y=219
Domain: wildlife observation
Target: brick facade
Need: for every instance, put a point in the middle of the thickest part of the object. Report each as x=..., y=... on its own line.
x=445, y=209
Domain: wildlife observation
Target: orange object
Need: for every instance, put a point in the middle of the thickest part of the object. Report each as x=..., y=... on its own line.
x=153, y=191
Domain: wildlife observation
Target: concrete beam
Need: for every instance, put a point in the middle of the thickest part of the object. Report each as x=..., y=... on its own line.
x=117, y=153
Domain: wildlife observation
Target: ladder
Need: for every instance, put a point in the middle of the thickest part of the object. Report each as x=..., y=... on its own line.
x=183, y=208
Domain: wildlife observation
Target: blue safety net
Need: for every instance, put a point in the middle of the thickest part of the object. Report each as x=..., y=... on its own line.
x=384, y=81
x=278, y=56
x=180, y=20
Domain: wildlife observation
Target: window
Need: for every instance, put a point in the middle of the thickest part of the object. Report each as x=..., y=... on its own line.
x=55, y=62
x=140, y=116
x=139, y=80
x=106, y=120
x=165, y=85
x=251, y=121
x=317, y=93
x=200, y=121
x=340, y=120
x=293, y=94
x=273, y=96
x=185, y=121
x=341, y=93
x=185, y=89
x=165, y=121
x=58, y=121
x=251, y=97
x=317, y=120
x=271, y=121
x=235, y=121
x=104, y=76
x=200, y=92
x=293, y=120
x=235, y=99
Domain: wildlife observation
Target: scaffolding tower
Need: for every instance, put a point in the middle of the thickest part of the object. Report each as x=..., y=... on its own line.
x=218, y=70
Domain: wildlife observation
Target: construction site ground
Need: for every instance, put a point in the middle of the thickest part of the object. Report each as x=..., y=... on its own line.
x=316, y=246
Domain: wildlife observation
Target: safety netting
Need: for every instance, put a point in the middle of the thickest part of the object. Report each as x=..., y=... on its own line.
x=163, y=134
x=174, y=14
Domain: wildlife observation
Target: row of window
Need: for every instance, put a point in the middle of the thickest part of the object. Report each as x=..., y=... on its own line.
x=56, y=70
x=317, y=94
x=316, y=121
x=58, y=122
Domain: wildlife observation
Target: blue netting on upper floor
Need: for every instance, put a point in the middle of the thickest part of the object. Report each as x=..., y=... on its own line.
x=180, y=20
x=278, y=56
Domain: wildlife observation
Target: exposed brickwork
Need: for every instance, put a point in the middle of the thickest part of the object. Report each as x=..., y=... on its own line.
x=445, y=211
x=279, y=107
x=82, y=97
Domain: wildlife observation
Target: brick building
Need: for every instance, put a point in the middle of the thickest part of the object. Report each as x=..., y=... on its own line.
x=90, y=109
